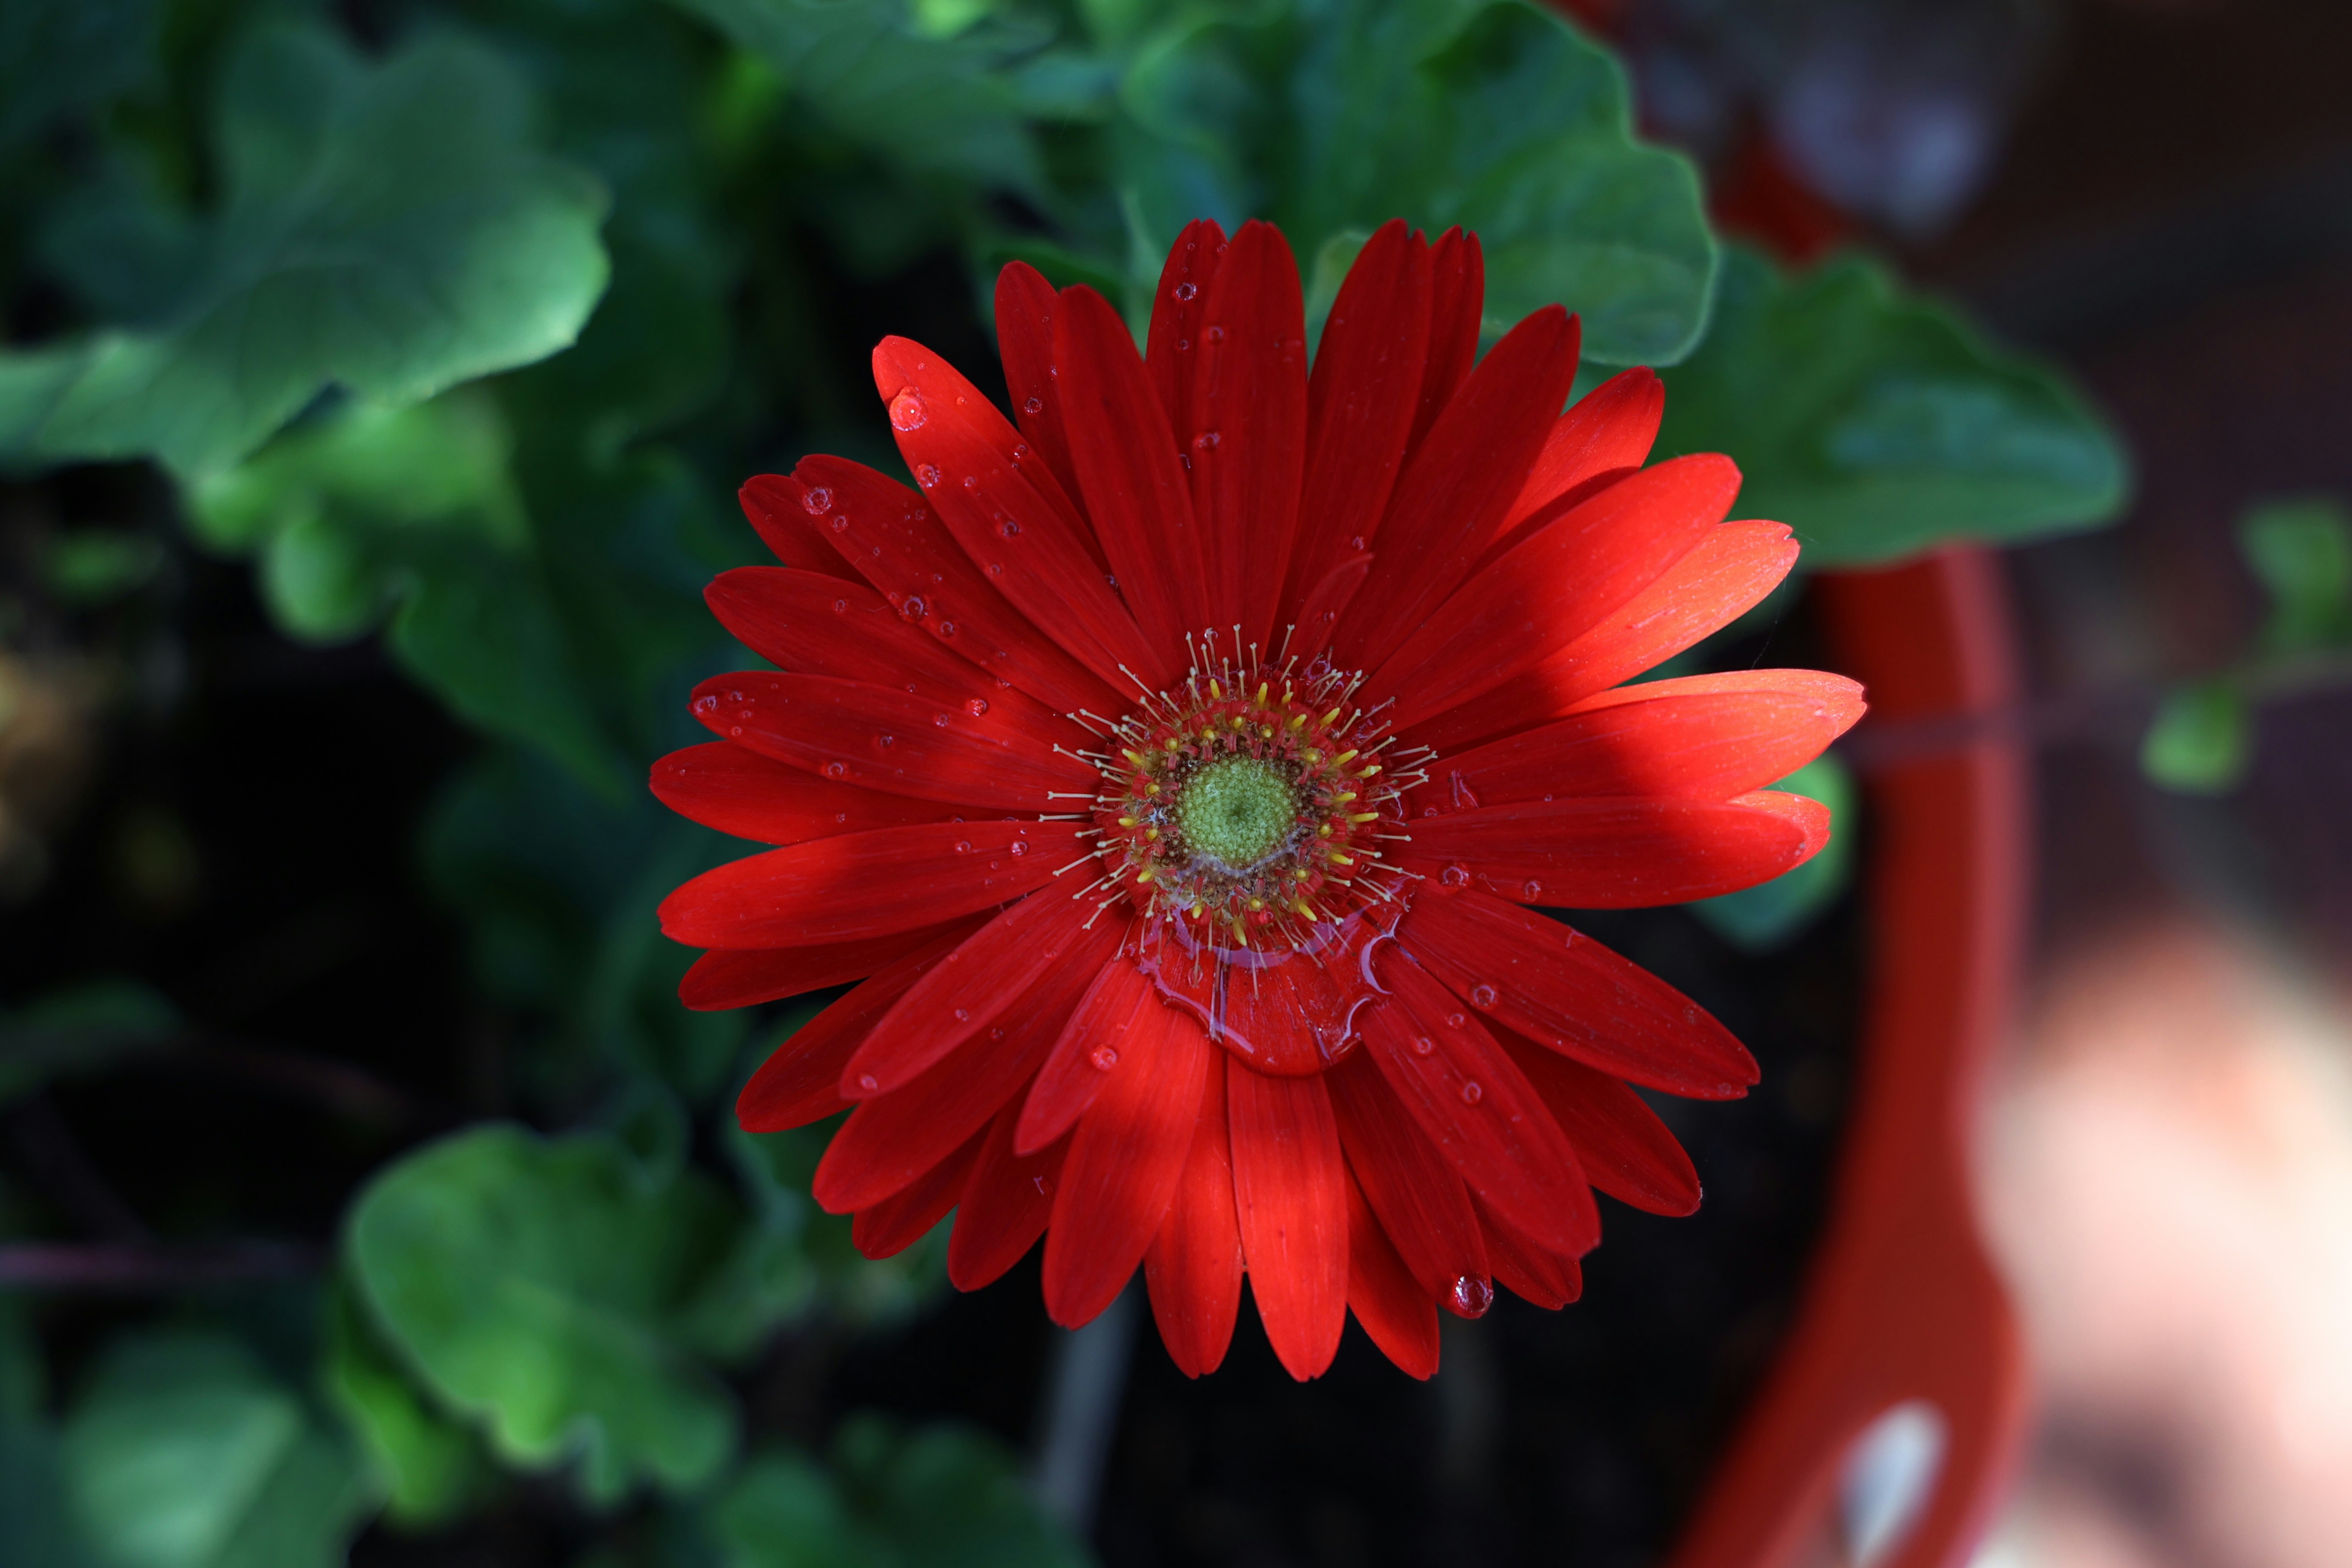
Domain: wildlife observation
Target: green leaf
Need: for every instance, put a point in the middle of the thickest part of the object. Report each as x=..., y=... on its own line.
x=431, y=1467
x=777, y=1167
x=387, y=229
x=2201, y=740
x=539, y=1287
x=2301, y=552
x=184, y=1452
x=1770, y=914
x=58, y=56
x=785, y=1511
x=79, y=1028
x=36, y=1526
x=1877, y=425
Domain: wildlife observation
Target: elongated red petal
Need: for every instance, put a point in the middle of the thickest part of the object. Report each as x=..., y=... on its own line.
x=1194, y=1267
x=898, y=741
x=1598, y=853
x=1329, y=599
x=1247, y=429
x=723, y=978
x=1172, y=347
x=1036, y=944
x=1360, y=401
x=905, y=1217
x=1024, y=342
x=1011, y=515
x=1125, y=1160
x=1124, y=451
x=892, y=1138
x=735, y=790
x=1728, y=573
x=1456, y=488
x=1476, y=1105
x=1706, y=737
x=788, y=532
x=1549, y=1280
x=1563, y=990
x=867, y=884
x=1556, y=585
x=1290, y=1195
x=1457, y=275
x=1392, y=1306
x=1006, y=1202
x=1626, y=1149
x=1410, y=1185
x=1608, y=429
x=893, y=539
x=1118, y=1001
x=800, y=1081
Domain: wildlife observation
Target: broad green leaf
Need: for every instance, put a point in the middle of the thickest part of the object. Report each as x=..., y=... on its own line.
x=62, y=55
x=1877, y=423
x=785, y=1511
x=77, y=1028
x=387, y=229
x=2301, y=552
x=431, y=1467
x=2201, y=740
x=539, y=1286
x=185, y=1452
x=1769, y=914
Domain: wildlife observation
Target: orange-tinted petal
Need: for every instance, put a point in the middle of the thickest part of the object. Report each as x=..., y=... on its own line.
x=735, y=790
x=724, y=978
x=1601, y=853
x=905, y=1217
x=1006, y=1202
x=1626, y=1150
x=1290, y=1195
x=1194, y=1267
x=1024, y=342
x=1410, y=1185
x=1392, y=1305
x=1457, y=303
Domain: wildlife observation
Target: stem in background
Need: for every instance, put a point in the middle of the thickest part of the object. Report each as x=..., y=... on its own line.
x=137, y=1267
x=1083, y=1389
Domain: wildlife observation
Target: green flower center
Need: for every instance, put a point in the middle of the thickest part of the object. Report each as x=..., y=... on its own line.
x=1237, y=811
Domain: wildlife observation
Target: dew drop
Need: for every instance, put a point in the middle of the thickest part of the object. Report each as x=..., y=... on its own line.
x=868, y=1082
x=1423, y=1044
x=945, y=629
x=925, y=475
x=1104, y=1058
x=841, y=523
x=976, y=706
x=1007, y=529
x=1021, y=452
x=912, y=607
x=1184, y=344
x=818, y=502
x=1356, y=542
x=1456, y=1020
x=940, y=719
x=841, y=607
x=1471, y=1093
x=1470, y=1296
x=835, y=770
x=1455, y=876
x=707, y=704
x=1216, y=334
x=883, y=742
x=1481, y=996
x=963, y=845
x=1034, y=406
x=907, y=410
x=971, y=481
x=1205, y=441
x=1020, y=846
x=1186, y=290
x=1531, y=889
x=963, y=1014
x=735, y=729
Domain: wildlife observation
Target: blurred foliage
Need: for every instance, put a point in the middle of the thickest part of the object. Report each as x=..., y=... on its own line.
x=461, y=320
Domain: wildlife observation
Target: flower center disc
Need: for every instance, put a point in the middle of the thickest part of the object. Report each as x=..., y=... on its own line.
x=1237, y=813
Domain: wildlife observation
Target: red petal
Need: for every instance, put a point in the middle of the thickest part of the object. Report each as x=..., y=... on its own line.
x=1413, y=1187
x=1458, y=486
x=1193, y=1267
x=1125, y=452
x=1246, y=429
x=1549, y=1280
x=1708, y=737
x=1040, y=943
x=1392, y=1305
x=1173, y=345
x=1118, y=1001
x=775, y=514
x=1025, y=341
x=1125, y=1162
x=899, y=1221
x=1360, y=402
x=1006, y=1204
x=738, y=791
x=1558, y=585
x=898, y=742
x=1730, y=573
x=1290, y=1195
x=1287, y=1015
x=800, y=1081
x=1617, y=853
x=1329, y=599
x=1457, y=304
x=1473, y=1102
x=724, y=978
x=1626, y=1149
x=867, y=884
x=1013, y=516
x=1611, y=428
x=895, y=539
x=1563, y=990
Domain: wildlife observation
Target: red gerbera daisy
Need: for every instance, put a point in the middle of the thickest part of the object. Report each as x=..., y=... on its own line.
x=1175, y=767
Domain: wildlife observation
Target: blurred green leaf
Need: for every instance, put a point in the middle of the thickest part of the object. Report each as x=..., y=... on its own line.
x=77, y=1028
x=1770, y=914
x=94, y=566
x=1876, y=424
x=2201, y=740
x=544, y=1287
x=387, y=229
x=62, y=55
x=2301, y=551
x=431, y=1467
x=184, y=1452
x=777, y=1168
x=37, y=1529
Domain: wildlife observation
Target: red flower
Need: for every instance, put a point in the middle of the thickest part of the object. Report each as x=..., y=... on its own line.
x=1175, y=765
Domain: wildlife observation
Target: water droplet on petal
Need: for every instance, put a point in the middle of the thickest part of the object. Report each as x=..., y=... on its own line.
x=1531, y=889
x=963, y=845
x=940, y=719
x=1356, y=542
x=1455, y=876
x=883, y=742
x=868, y=1082
x=1186, y=290
x=1104, y=1058
x=818, y=502
x=907, y=410
x=1423, y=1044
x=1034, y=406
x=736, y=729
x=963, y=1014
x=971, y=481
x=945, y=629
x=976, y=706
x=1481, y=995
x=1205, y=439
x=707, y=704
x=1470, y=1296
x=1020, y=846
x=912, y=607
x=841, y=522
x=1471, y=1094
x=835, y=770
x=1216, y=334
x=1456, y=1020
x=925, y=475
x=1007, y=529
